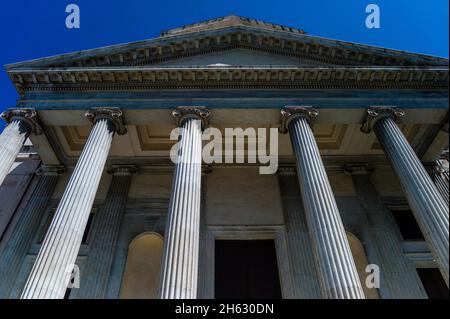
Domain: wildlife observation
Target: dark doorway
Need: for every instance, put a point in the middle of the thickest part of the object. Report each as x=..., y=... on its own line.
x=246, y=269
x=433, y=283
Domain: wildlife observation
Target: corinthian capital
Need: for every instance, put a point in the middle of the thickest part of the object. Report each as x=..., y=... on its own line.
x=183, y=113
x=375, y=113
x=28, y=117
x=289, y=113
x=113, y=114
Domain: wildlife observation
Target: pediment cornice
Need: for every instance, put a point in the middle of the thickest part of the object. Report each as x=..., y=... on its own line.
x=153, y=51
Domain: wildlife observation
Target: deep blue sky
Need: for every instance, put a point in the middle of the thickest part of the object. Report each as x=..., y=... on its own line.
x=32, y=29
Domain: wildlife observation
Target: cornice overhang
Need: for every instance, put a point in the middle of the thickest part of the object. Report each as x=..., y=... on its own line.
x=281, y=42
x=137, y=78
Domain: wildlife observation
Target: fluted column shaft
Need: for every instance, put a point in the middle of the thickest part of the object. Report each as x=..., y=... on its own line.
x=338, y=276
x=440, y=178
x=52, y=269
x=179, y=272
x=428, y=206
x=22, y=236
x=21, y=123
x=11, y=140
x=105, y=234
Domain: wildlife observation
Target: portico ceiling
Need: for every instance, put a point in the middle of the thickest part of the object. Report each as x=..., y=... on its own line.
x=142, y=141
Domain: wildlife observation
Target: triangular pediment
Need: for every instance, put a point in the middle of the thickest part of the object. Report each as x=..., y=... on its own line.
x=231, y=51
x=229, y=33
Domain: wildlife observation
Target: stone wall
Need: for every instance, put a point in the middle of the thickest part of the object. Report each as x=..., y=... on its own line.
x=240, y=196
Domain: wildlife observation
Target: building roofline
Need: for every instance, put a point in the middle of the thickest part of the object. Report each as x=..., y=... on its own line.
x=170, y=39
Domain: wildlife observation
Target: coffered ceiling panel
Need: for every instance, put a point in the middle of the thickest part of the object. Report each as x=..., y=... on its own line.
x=154, y=140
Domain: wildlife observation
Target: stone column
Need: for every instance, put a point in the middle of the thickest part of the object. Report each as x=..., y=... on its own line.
x=19, y=243
x=53, y=267
x=105, y=233
x=439, y=175
x=428, y=206
x=338, y=276
x=179, y=268
x=21, y=123
x=398, y=276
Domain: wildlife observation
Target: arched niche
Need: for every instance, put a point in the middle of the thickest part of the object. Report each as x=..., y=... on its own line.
x=360, y=258
x=141, y=276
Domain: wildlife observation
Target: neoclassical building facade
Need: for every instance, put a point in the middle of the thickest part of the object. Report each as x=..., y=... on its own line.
x=93, y=206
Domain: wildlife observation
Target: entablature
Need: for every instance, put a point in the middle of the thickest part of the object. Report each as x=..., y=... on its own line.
x=228, y=77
